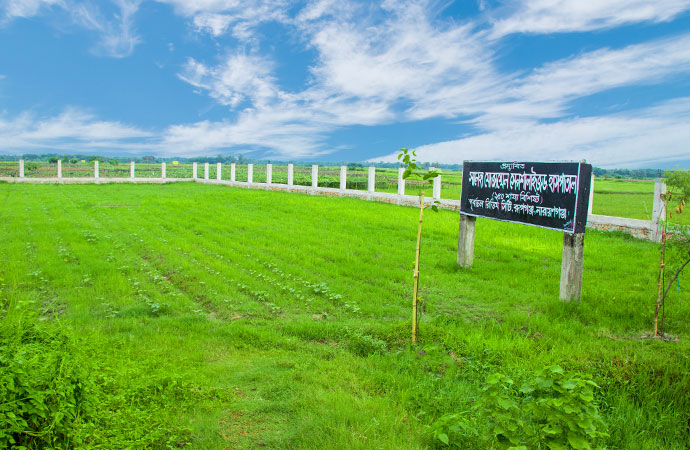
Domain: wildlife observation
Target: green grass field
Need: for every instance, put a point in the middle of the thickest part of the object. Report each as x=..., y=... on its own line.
x=211, y=317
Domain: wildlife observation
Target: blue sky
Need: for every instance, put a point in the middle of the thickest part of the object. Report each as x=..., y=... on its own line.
x=607, y=81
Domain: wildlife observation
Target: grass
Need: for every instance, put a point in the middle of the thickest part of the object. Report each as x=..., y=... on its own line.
x=234, y=318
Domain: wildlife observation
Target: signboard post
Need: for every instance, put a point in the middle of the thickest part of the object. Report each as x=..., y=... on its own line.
x=553, y=195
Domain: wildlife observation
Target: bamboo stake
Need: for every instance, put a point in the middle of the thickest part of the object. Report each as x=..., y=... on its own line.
x=416, y=270
x=660, y=282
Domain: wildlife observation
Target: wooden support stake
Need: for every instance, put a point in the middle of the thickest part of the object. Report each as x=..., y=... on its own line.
x=416, y=270
x=466, y=240
x=572, y=266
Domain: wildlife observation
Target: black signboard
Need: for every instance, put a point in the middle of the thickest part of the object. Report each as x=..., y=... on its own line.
x=545, y=194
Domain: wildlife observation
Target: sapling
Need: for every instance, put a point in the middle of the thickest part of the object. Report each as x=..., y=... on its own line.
x=414, y=170
x=678, y=185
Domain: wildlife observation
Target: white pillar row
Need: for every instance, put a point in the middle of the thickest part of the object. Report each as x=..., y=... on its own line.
x=232, y=172
x=95, y=169
x=21, y=168
x=205, y=171
x=314, y=176
x=343, y=178
x=219, y=171
x=250, y=173
x=269, y=173
x=436, y=192
x=372, y=179
x=194, y=171
x=131, y=169
x=163, y=170
x=291, y=174
x=59, y=168
x=401, y=181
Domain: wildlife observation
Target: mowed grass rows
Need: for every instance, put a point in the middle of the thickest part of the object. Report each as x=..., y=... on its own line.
x=256, y=318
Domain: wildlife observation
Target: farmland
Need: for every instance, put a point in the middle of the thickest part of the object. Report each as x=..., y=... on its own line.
x=213, y=317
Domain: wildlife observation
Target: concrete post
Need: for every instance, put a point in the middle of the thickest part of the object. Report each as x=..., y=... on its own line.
x=250, y=173
x=401, y=181
x=572, y=266
x=343, y=178
x=59, y=168
x=21, y=168
x=658, y=209
x=291, y=175
x=314, y=176
x=436, y=191
x=95, y=169
x=194, y=171
x=466, y=240
x=131, y=169
x=269, y=173
x=591, y=197
x=372, y=179
x=232, y=172
x=219, y=171
x=205, y=171
x=163, y=170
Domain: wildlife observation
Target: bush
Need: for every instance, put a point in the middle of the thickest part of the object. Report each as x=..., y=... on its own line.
x=42, y=387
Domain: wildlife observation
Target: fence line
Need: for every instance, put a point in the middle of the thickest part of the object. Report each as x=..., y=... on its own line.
x=644, y=229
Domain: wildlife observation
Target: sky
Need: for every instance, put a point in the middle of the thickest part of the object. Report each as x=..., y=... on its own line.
x=607, y=81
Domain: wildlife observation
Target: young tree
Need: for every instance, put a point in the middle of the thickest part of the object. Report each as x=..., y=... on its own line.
x=414, y=170
x=675, y=243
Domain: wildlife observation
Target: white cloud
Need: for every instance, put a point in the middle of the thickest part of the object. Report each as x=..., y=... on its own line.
x=71, y=131
x=25, y=8
x=117, y=36
x=641, y=138
x=553, y=16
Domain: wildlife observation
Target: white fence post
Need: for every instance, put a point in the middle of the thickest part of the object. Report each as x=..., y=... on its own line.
x=163, y=170
x=59, y=168
x=205, y=171
x=131, y=169
x=436, y=191
x=372, y=179
x=21, y=168
x=194, y=171
x=291, y=174
x=343, y=178
x=95, y=169
x=314, y=176
x=658, y=209
x=232, y=172
x=269, y=173
x=219, y=171
x=401, y=181
x=591, y=196
x=250, y=173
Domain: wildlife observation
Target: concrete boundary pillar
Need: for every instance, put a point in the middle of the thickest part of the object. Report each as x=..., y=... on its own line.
x=269, y=174
x=59, y=168
x=343, y=178
x=314, y=176
x=291, y=175
x=219, y=171
x=232, y=172
x=371, y=185
x=194, y=171
x=250, y=173
x=131, y=169
x=401, y=181
x=572, y=265
x=466, y=240
x=205, y=171
x=163, y=170
x=658, y=210
x=436, y=191
x=21, y=168
x=95, y=169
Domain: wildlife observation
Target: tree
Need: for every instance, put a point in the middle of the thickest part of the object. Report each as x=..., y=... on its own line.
x=675, y=243
x=413, y=170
